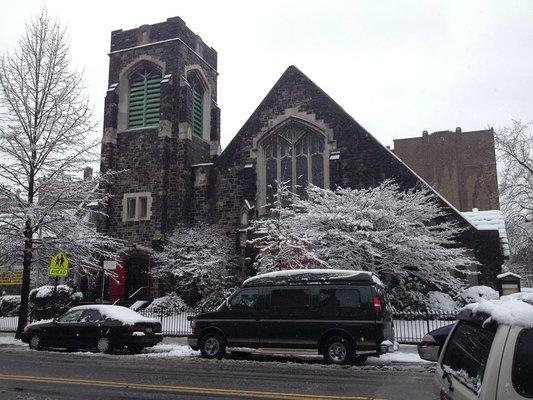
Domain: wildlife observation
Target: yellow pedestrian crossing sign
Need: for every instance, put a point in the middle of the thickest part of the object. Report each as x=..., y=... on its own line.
x=58, y=265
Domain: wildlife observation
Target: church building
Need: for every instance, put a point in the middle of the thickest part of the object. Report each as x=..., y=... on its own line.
x=162, y=129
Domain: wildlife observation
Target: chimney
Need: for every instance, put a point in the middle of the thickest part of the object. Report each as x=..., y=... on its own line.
x=88, y=174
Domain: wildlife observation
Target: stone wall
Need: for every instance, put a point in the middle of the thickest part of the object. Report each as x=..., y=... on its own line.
x=459, y=165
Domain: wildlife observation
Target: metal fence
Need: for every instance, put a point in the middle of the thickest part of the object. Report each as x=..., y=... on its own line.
x=408, y=327
x=8, y=324
x=412, y=327
x=173, y=322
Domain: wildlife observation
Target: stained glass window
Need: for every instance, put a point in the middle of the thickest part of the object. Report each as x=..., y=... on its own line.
x=294, y=155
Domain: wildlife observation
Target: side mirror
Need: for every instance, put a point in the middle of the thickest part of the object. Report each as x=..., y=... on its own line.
x=227, y=304
x=429, y=352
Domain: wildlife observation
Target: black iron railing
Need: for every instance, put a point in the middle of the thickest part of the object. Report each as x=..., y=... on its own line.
x=408, y=327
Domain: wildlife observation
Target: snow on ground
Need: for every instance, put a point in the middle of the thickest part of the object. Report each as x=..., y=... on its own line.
x=11, y=341
x=397, y=357
x=169, y=350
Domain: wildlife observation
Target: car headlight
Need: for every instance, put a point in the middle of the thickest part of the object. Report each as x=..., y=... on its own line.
x=428, y=339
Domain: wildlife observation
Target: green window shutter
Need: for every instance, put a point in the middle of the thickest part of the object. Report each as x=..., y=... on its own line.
x=144, y=100
x=197, y=110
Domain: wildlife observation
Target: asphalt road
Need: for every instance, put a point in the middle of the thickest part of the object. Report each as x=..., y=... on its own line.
x=30, y=375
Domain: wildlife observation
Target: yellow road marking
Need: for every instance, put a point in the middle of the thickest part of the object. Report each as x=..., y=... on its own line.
x=178, y=389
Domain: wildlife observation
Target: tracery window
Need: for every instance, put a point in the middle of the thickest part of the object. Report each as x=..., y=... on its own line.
x=296, y=155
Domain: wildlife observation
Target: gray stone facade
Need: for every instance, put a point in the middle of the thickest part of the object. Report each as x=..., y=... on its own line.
x=189, y=180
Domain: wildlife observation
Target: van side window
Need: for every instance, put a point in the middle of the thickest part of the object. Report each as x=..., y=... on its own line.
x=344, y=298
x=290, y=299
x=467, y=353
x=245, y=300
x=523, y=364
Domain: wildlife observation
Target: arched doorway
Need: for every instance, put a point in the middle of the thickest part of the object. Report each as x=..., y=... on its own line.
x=137, y=266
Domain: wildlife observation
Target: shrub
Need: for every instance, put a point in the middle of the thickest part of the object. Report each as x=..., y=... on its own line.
x=167, y=305
x=47, y=303
x=9, y=306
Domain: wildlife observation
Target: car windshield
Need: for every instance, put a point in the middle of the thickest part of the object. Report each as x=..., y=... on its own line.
x=70, y=316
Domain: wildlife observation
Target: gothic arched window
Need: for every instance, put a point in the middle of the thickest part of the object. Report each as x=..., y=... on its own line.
x=197, y=106
x=294, y=154
x=144, y=98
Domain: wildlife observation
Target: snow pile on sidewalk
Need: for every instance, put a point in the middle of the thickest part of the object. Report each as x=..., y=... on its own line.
x=169, y=350
x=514, y=309
x=11, y=341
x=397, y=357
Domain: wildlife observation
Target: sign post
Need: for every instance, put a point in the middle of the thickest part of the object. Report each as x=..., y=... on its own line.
x=58, y=268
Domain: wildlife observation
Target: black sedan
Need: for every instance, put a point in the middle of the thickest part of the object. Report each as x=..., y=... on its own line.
x=431, y=345
x=103, y=327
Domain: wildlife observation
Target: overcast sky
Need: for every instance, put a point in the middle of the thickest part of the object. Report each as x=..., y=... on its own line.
x=398, y=67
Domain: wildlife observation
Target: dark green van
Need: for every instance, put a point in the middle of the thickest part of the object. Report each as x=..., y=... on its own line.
x=341, y=313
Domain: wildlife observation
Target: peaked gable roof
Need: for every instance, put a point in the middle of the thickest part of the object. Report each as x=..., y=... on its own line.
x=294, y=84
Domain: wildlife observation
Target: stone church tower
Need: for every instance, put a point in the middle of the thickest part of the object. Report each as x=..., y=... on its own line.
x=161, y=126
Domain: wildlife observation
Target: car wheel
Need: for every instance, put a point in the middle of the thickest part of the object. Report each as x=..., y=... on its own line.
x=103, y=345
x=213, y=346
x=338, y=350
x=135, y=349
x=36, y=342
x=360, y=360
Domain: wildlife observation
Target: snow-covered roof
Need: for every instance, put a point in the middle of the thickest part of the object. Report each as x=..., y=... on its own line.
x=514, y=309
x=118, y=313
x=490, y=220
x=505, y=274
x=311, y=275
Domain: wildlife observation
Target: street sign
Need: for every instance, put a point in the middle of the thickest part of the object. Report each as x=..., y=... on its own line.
x=10, y=278
x=58, y=265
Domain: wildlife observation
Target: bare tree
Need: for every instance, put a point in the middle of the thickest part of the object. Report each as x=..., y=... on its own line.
x=45, y=127
x=515, y=154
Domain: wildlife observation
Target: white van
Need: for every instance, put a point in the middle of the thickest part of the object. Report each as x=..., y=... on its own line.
x=489, y=353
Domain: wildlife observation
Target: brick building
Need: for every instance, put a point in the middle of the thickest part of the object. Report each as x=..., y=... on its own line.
x=461, y=166
x=162, y=128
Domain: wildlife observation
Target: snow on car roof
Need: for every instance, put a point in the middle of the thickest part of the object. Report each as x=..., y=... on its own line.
x=299, y=275
x=514, y=309
x=118, y=313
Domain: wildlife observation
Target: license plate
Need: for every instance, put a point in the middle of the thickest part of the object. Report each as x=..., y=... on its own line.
x=149, y=330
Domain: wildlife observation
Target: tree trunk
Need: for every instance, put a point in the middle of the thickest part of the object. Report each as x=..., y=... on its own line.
x=25, y=290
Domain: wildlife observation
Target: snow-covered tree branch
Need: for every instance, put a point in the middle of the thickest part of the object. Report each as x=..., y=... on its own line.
x=402, y=236
x=45, y=142
x=194, y=262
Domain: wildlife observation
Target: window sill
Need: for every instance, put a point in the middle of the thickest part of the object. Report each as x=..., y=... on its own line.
x=194, y=135
x=141, y=128
x=136, y=220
